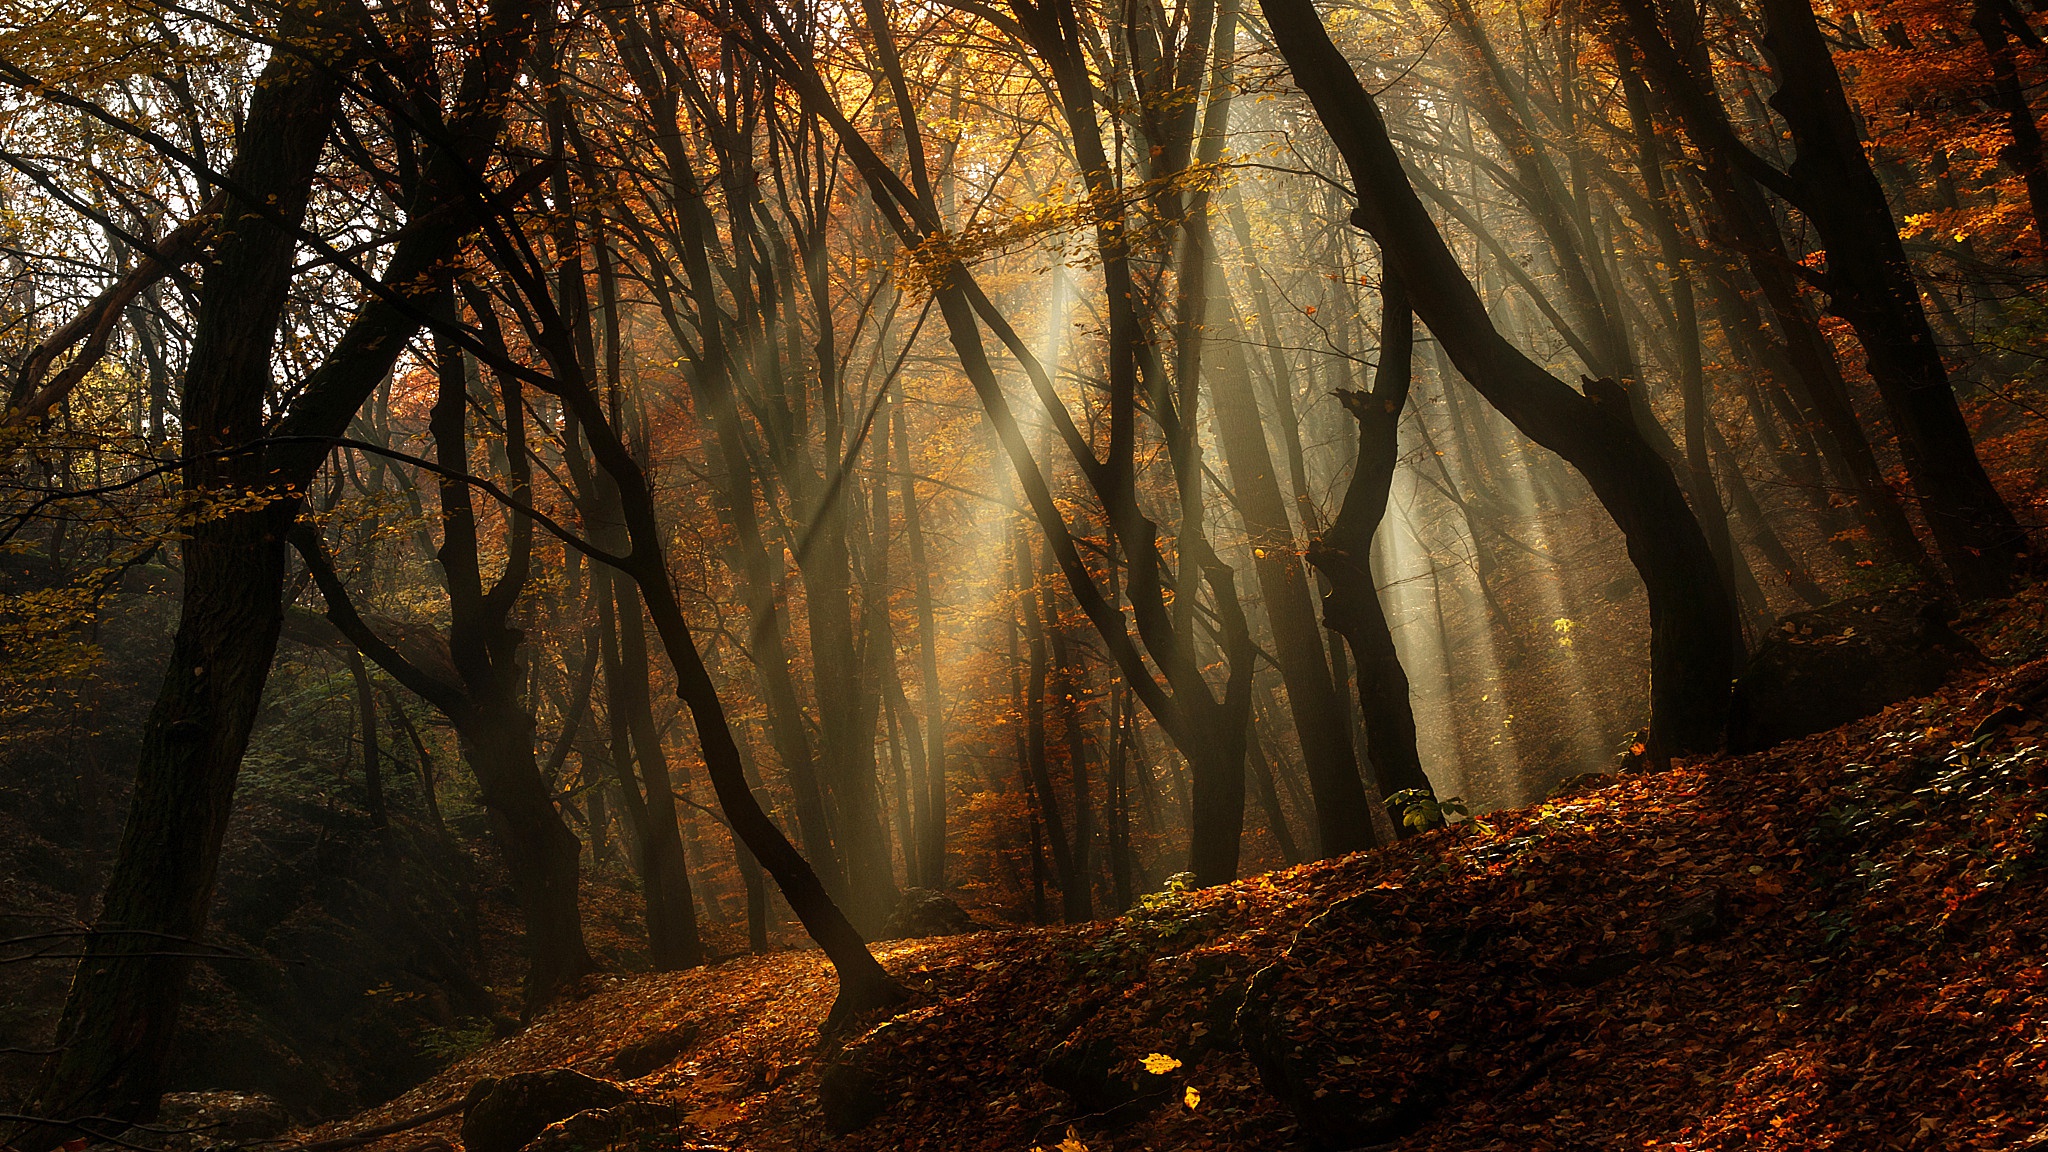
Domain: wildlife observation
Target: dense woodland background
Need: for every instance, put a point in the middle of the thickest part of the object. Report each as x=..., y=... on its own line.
x=1041, y=453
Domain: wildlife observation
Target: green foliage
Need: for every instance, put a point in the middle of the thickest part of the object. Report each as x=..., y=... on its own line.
x=1420, y=809
x=454, y=1041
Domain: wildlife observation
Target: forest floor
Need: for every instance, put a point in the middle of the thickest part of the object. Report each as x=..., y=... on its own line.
x=1836, y=943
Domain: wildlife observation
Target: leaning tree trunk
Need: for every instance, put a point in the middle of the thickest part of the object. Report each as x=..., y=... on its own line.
x=114, y=1037
x=1873, y=287
x=1343, y=554
x=1694, y=632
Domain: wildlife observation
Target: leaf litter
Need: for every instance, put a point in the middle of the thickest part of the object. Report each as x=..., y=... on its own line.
x=1834, y=944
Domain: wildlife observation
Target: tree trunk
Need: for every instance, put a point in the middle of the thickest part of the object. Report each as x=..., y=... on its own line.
x=932, y=806
x=1693, y=625
x=1321, y=719
x=1269, y=800
x=1872, y=286
x=1993, y=20
x=1692, y=383
x=1343, y=553
x=673, y=941
x=114, y=1039
x=366, y=724
x=541, y=853
x=1073, y=885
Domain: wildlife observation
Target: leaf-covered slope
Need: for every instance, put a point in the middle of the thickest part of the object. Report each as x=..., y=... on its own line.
x=1834, y=944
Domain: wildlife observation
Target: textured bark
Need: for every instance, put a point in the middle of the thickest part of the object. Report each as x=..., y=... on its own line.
x=1343, y=553
x=1693, y=628
x=114, y=1039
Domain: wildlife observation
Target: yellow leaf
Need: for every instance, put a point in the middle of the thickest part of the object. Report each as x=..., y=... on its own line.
x=1159, y=1063
x=1072, y=1143
x=1193, y=1098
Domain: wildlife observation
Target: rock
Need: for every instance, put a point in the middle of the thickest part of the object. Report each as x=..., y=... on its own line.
x=1821, y=669
x=630, y=1127
x=213, y=1119
x=656, y=1051
x=1344, y=1089
x=505, y=1115
x=849, y=1094
x=1695, y=921
x=922, y=912
x=1100, y=1075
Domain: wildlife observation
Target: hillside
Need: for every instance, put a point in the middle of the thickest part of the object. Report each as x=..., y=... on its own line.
x=1833, y=944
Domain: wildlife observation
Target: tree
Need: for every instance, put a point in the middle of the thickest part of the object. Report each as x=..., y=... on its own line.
x=1692, y=612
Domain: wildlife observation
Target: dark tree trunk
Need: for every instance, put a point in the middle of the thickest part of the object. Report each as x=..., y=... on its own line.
x=366, y=724
x=1068, y=685
x=487, y=707
x=1998, y=23
x=1869, y=281
x=423, y=760
x=1794, y=571
x=114, y=1039
x=1678, y=70
x=541, y=853
x=1692, y=383
x=931, y=824
x=1343, y=553
x=1693, y=625
x=1038, y=769
x=712, y=386
x=1269, y=800
x=673, y=940
x=1120, y=863
x=1873, y=287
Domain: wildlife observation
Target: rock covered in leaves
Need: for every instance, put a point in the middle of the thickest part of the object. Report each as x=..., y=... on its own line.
x=213, y=1119
x=635, y=1126
x=1099, y=1076
x=654, y=1051
x=850, y=1092
x=506, y=1115
x=922, y=912
x=1824, y=668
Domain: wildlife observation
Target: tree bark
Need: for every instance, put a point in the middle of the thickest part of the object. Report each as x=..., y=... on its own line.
x=1343, y=553
x=1693, y=624
x=114, y=1039
x=1873, y=287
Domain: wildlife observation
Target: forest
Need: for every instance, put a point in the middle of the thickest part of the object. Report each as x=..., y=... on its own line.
x=1022, y=574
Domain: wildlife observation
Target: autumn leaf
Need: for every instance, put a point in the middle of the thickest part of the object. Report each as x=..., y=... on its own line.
x=1159, y=1063
x=1192, y=1098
